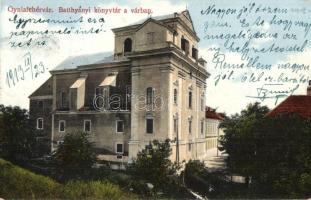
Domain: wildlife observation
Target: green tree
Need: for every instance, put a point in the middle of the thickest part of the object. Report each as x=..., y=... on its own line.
x=240, y=141
x=75, y=157
x=17, y=135
x=154, y=165
x=274, y=153
x=283, y=160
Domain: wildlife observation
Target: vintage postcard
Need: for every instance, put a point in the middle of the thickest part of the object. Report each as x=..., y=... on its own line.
x=155, y=99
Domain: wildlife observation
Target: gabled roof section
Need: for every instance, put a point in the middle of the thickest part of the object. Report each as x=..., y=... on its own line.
x=295, y=104
x=44, y=89
x=155, y=21
x=183, y=16
x=186, y=14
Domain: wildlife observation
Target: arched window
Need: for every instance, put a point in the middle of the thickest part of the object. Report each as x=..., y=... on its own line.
x=127, y=45
x=150, y=96
x=175, y=96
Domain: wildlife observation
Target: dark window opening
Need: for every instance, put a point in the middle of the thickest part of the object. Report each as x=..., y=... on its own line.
x=120, y=126
x=63, y=99
x=119, y=148
x=61, y=126
x=127, y=45
x=150, y=96
x=87, y=126
x=149, y=125
x=175, y=96
x=185, y=45
x=190, y=126
x=39, y=123
x=190, y=99
x=194, y=53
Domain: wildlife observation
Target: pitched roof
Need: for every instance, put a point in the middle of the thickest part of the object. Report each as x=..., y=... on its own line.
x=211, y=113
x=73, y=62
x=299, y=104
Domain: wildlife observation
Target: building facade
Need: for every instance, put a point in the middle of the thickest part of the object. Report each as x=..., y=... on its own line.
x=213, y=130
x=151, y=87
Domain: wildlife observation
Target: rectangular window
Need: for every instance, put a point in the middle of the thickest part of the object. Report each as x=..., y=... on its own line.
x=63, y=99
x=149, y=125
x=194, y=53
x=119, y=148
x=120, y=126
x=87, y=126
x=62, y=126
x=40, y=123
x=189, y=146
x=202, y=127
x=189, y=126
x=190, y=99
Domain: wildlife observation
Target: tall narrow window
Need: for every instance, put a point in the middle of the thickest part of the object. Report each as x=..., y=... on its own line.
x=106, y=98
x=61, y=126
x=119, y=148
x=202, y=102
x=40, y=123
x=194, y=53
x=120, y=126
x=189, y=126
x=87, y=126
x=185, y=45
x=127, y=45
x=202, y=127
x=149, y=125
x=175, y=96
x=99, y=97
x=63, y=99
x=190, y=99
x=150, y=96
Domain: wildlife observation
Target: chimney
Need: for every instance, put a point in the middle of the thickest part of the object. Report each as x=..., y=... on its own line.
x=309, y=89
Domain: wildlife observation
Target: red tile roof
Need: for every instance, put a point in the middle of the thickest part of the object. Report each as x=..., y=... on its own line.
x=299, y=104
x=211, y=113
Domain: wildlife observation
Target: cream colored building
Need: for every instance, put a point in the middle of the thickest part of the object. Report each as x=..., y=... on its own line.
x=156, y=76
x=213, y=130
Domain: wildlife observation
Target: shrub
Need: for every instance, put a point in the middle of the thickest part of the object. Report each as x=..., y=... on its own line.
x=75, y=157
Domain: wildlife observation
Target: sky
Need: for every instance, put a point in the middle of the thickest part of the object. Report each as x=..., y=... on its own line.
x=228, y=96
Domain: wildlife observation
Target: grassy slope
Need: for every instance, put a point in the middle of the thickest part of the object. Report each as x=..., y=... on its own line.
x=16, y=182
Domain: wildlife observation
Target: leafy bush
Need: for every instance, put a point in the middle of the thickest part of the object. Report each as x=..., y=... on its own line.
x=75, y=157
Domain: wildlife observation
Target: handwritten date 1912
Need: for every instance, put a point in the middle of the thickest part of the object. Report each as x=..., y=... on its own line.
x=24, y=71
